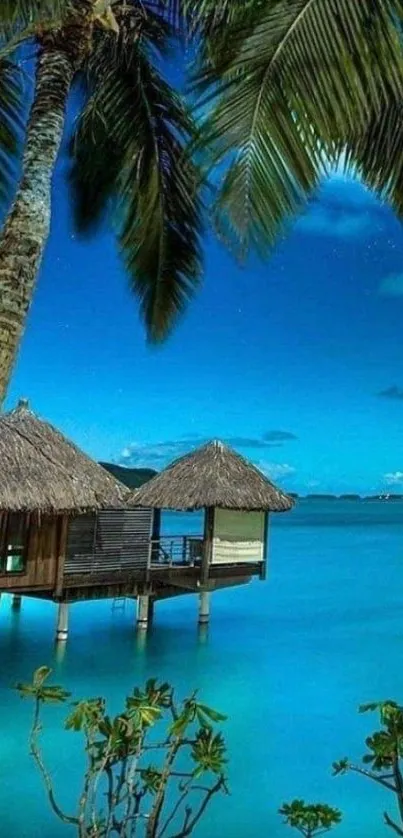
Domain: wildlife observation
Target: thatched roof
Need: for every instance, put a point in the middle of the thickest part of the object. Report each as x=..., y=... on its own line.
x=42, y=470
x=212, y=476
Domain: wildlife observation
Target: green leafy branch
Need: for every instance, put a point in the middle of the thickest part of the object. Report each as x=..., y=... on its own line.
x=122, y=791
x=310, y=819
x=382, y=763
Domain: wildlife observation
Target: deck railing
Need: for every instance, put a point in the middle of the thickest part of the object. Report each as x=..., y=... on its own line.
x=171, y=550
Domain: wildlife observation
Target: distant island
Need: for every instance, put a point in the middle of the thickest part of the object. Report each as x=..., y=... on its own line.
x=321, y=497
x=386, y=497
x=349, y=496
x=133, y=478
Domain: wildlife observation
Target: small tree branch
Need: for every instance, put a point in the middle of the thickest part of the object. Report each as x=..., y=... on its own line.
x=155, y=815
x=389, y=822
x=47, y=780
x=174, y=812
x=95, y=780
x=363, y=771
x=82, y=806
x=191, y=823
x=110, y=796
x=129, y=785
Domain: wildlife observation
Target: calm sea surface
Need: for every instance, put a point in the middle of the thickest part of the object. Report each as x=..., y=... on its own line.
x=288, y=660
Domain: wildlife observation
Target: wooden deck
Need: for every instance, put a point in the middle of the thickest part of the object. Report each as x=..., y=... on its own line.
x=175, y=565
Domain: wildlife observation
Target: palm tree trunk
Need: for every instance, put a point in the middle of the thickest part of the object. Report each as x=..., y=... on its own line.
x=26, y=229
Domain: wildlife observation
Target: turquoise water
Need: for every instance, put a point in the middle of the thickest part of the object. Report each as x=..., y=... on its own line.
x=288, y=660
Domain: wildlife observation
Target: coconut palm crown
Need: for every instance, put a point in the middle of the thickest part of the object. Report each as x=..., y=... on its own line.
x=129, y=163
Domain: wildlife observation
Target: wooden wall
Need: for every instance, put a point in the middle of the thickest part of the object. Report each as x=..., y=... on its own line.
x=43, y=540
x=112, y=540
x=59, y=547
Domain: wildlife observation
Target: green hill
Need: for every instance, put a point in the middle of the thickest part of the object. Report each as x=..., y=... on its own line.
x=131, y=477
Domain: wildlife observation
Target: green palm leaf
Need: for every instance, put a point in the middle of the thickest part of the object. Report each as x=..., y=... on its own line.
x=307, y=75
x=376, y=155
x=207, y=17
x=198, y=15
x=137, y=124
x=273, y=171
x=161, y=227
x=22, y=14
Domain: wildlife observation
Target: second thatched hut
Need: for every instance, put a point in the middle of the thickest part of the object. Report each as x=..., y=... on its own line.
x=236, y=496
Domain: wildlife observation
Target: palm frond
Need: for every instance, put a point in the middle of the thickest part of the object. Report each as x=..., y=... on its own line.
x=98, y=160
x=203, y=25
x=22, y=14
x=376, y=155
x=203, y=16
x=10, y=123
x=307, y=74
x=272, y=172
x=347, y=53
x=137, y=123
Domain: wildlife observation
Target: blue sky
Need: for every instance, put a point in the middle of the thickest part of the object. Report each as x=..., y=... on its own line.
x=298, y=362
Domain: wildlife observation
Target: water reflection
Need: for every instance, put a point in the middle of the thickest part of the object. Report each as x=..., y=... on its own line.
x=60, y=651
x=141, y=639
x=202, y=633
x=16, y=602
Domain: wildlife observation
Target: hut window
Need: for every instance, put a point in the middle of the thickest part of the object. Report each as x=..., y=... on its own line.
x=14, y=544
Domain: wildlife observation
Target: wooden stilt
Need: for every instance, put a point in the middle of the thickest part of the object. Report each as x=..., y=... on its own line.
x=209, y=515
x=62, y=622
x=143, y=606
x=204, y=608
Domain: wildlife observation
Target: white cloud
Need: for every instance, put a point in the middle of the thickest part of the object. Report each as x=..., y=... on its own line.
x=343, y=208
x=392, y=285
x=153, y=455
x=277, y=471
x=394, y=478
x=159, y=454
x=350, y=192
x=339, y=223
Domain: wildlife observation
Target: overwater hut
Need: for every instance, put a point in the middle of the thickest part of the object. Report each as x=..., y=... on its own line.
x=66, y=531
x=69, y=530
x=237, y=500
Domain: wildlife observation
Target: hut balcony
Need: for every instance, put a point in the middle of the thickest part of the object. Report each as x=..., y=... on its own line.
x=190, y=551
x=177, y=550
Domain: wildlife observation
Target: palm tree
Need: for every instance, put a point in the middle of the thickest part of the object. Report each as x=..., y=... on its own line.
x=128, y=151
x=294, y=88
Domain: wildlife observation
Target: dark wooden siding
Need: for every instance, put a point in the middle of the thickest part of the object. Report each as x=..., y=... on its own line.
x=112, y=540
x=43, y=535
